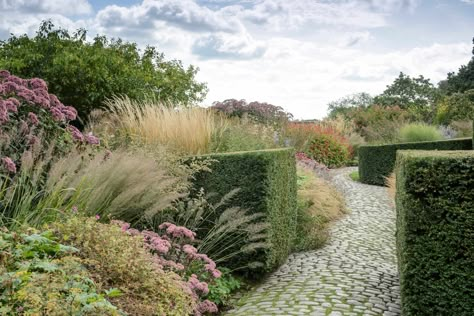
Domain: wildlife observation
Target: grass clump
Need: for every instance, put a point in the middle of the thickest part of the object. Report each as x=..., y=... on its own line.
x=318, y=205
x=185, y=130
x=419, y=132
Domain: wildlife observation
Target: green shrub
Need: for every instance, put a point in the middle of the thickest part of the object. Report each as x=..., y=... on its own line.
x=328, y=150
x=435, y=232
x=84, y=72
x=419, y=132
x=39, y=276
x=121, y=261
x=376, y=162
x=267, y=182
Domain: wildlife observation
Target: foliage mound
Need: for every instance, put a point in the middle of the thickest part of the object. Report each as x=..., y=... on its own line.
x=119, y=260
x=419, y=132
x=435, y=232
x=39, y=276
x=376, y=162
x=323, y=144
x=267, y=183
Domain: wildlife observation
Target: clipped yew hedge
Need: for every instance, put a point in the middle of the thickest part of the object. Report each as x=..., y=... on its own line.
x=435, y=232
x=376, y=162
x=267, y=183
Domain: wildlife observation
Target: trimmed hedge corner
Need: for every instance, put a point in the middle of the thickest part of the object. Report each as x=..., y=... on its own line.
x=267, y=182
x=435, y=232
x=376, y=162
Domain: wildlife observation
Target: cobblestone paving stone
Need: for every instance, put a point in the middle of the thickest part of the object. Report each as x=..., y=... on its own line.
x=355, y=273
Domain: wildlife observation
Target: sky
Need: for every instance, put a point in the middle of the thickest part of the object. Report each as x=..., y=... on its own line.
x=297, y=54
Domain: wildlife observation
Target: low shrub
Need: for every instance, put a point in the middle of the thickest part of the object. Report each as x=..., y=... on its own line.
x=321, y=143
x=120, y=260
x=318, y=205
x=376, y=162
x=39, y=276
x=267, y=183
x=328, y=150
x=419, y=132
x=435, y=232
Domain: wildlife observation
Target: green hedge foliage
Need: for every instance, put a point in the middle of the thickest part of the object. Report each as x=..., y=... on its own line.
x=267, y=183
x=435, y=232
x=377, y=161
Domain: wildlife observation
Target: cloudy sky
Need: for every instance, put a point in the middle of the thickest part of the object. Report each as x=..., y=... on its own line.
x=299, y=54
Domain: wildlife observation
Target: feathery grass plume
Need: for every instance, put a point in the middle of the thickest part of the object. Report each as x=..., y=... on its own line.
x=418, y=132
x=186, y=130
x=122, y=185
x=24, y=198
x=318, y=205
x=224, y=234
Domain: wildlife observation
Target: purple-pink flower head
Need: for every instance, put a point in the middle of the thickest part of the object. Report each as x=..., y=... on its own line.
x=37, y=83
x=92, y=140
x=17, y=80
x=12, y=104
x=54, y=101
x=57, y=114
x=3, y=113
x=97, y=217
x=9, y=164
x=69, y=112
x=75, y=133
x=33, y=118
x=4, y=73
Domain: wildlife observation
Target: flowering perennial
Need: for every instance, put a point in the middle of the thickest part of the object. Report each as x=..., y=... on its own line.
x=27, y=110
x=172, y=252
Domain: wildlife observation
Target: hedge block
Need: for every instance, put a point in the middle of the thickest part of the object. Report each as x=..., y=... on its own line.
x=267, y=183
x=435, y=232
x=376, y=162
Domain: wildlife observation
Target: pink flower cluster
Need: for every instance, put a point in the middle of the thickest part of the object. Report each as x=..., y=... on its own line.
x=172, y=251
x=33, y=92
x=17, y=92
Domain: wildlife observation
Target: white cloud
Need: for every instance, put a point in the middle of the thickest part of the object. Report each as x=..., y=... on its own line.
x=221, y=45
x=66, y=7
x=183, y=14
x=468, y=1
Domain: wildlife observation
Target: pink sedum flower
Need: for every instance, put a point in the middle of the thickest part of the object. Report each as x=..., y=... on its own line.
x=206, y=306
x=75, y=133
x=97, y=217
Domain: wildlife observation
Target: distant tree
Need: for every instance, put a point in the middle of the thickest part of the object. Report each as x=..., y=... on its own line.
x=456, y=107
x=346, y=105
x=84, y=74
x=417, y=95
x=463, y=80
x=261, y=112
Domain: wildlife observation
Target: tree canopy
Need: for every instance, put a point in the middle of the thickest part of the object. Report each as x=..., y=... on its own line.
x=84, y=73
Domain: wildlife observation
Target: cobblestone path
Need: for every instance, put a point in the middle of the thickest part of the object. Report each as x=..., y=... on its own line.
x=355, y=273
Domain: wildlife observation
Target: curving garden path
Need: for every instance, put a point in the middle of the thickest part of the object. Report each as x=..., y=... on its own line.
x=355, y=273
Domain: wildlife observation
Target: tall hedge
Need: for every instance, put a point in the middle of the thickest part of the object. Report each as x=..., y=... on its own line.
x=378, y=161
x=267, y=183
x=435, y=232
